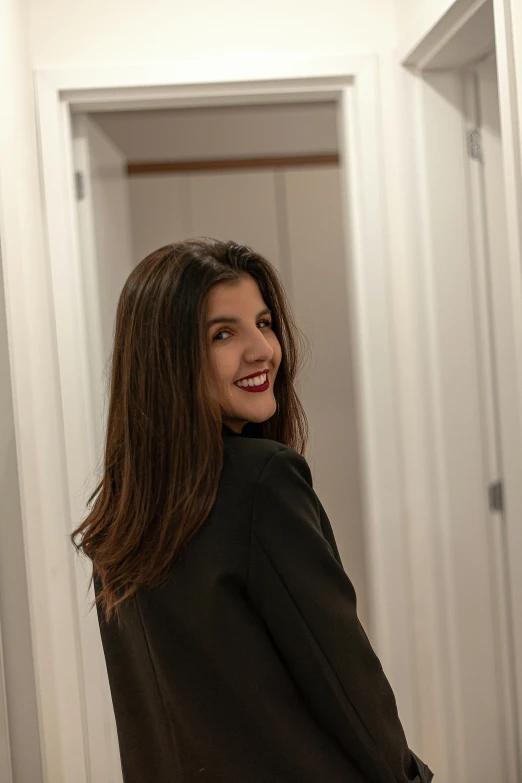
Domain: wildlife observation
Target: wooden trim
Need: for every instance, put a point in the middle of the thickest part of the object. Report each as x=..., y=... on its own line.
x=166, y=167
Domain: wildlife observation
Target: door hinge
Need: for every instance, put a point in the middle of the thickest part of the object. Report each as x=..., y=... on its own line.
x=79, y=185
x=475, y=148
x=496, y=496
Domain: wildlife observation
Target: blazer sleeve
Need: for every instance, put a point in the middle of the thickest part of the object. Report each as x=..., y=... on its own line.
x=297, y=583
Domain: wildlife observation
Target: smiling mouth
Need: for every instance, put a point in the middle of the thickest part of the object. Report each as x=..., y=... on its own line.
x=257, y=384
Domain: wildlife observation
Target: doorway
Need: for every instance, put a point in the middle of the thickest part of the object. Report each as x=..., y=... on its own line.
x=349, y=82
x=267, y=176
x=470, y=374
x=489, y=243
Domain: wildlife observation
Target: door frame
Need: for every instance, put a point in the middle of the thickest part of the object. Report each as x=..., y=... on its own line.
x=435, y=27
x=6, y=769
x=75, y=722
x=478, y=108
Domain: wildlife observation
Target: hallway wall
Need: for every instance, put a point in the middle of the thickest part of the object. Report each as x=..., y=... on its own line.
x=15, y=640
x=406, y=12
x=101, y=32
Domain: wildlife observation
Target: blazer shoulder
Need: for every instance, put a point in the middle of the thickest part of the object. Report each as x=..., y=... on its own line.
x=248, y=457
x=254, y=450
x=283, y=465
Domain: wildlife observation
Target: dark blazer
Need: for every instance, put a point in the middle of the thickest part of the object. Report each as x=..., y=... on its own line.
x=250, y=665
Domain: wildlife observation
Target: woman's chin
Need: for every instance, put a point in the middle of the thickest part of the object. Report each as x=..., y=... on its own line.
x=257, y=412
x=262, y=413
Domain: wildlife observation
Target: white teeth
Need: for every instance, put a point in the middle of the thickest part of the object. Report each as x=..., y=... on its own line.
x=257, y=381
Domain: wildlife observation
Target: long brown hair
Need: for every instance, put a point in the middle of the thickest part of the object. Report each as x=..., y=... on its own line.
x=164, y=447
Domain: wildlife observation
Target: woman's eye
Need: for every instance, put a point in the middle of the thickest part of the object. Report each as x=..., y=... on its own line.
x=266, y=321
x=217, y=336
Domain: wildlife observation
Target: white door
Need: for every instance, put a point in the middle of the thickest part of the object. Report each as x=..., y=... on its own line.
x=492, y=292
x=472, y=736
x=105, y=232
x=103, y=204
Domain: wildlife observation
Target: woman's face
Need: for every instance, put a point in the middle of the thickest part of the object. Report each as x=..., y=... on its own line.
x=242, y=344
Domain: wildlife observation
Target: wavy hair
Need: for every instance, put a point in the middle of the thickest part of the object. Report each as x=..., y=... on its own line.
x=163, y=453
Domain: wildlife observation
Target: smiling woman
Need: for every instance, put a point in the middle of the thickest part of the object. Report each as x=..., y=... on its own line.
x=229, y=626
x=192, y=319
x=245, y=356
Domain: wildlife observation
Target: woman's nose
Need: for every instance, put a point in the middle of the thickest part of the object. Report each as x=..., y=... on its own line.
x=259, y=349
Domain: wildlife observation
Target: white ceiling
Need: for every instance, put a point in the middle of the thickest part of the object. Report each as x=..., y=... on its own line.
x=225, y=132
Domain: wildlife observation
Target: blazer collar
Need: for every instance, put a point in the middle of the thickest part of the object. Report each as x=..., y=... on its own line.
x=250, y=430
x=225, y=430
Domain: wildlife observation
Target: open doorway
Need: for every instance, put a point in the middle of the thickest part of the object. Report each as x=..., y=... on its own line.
x=351, y=84
x=470, y=376
x=266, y=176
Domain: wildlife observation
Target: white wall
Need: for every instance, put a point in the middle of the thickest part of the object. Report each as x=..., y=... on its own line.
x=72, y=33
x=16, y=645
x=516, y=17
x=406, y=13
x=35, y=384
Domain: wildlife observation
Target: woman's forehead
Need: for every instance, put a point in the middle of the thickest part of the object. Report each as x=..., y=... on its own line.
x=243, y=295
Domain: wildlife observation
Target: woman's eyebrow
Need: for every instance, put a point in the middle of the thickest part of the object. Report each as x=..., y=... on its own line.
x=225, y=319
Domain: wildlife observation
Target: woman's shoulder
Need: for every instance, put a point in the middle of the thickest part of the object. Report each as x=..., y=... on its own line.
x=259, y=457
x=253, y=450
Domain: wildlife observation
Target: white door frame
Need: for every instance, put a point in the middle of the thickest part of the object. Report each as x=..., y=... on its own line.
x=6, y=770
x=434, y=28
x=71, y=718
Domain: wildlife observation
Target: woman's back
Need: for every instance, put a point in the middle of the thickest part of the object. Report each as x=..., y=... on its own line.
x=249, y=665
x=230, y=631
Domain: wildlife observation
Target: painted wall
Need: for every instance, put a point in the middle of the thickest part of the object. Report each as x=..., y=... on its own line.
x=34, y=381
x=407, y=10
x=17, y=651
x=516, y=19
x=72, y=33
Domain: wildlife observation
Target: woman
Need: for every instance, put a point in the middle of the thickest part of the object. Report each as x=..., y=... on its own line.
x=229, y=626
